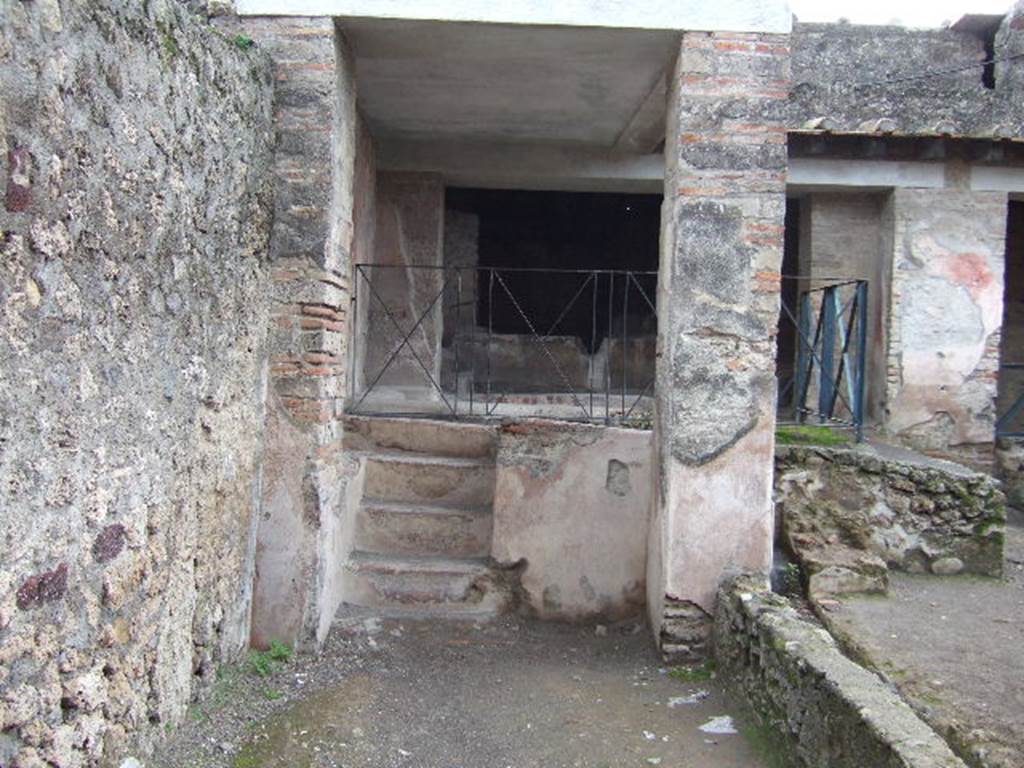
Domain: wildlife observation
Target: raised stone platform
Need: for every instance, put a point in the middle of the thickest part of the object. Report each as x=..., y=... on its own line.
x=850, y=515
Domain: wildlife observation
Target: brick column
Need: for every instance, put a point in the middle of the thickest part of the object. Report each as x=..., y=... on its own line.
x=722, y=237
x=303, y=483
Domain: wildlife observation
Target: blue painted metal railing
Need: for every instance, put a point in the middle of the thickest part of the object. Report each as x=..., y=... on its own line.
x=1010, y=423
x=829, y=325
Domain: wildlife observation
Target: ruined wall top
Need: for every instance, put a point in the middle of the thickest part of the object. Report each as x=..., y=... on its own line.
x=894, y=80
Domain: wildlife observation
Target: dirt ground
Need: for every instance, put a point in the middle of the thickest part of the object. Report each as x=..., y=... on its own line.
x=954, y=646
x=459, y=695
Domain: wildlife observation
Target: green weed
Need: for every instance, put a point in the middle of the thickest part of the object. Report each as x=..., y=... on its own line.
x=265, y=663
x=810, y=435
x=694, y=673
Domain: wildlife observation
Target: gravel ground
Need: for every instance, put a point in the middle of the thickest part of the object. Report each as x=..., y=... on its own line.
x=458, y=694
x=954, y=646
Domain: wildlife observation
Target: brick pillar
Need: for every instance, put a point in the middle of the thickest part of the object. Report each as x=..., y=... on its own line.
x=303, y=482
x=722, y=236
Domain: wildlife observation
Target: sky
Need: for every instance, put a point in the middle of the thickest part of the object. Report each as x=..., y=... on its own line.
x=912, y=13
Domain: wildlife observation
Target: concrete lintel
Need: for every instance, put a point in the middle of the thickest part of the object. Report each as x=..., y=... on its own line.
x=863, y=174
x=524, y=166
x=731, y=15
x=997, y=179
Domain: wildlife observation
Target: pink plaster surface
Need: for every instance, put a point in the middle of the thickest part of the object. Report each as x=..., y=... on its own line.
x=947, y=307
x=718, y=517
x=581, y=530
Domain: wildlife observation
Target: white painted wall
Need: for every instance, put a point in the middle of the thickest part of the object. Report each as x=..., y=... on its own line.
x=997, y=179
x=732, y=15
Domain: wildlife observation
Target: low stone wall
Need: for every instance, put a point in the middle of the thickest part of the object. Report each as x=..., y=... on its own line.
x=573, y=501
x=849, y=515
x=135, y=145
x=826, y=711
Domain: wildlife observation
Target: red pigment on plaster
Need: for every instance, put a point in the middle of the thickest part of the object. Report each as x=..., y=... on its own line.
x=971, y=271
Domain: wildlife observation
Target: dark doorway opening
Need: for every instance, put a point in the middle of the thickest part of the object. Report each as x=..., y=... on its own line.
x=1011, y=372
x=558, y=240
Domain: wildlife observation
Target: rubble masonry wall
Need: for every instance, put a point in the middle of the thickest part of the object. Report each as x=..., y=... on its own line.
x=134, y=301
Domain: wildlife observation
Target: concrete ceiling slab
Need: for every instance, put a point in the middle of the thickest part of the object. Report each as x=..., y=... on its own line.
x=421, y=81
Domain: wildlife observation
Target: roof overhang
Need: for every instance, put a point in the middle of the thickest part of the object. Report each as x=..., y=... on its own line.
x=726, y=15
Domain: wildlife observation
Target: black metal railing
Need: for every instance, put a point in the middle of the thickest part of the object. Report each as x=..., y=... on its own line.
x=480, y=342
x=1010, y=418
x=822, y=361
x=491, y=341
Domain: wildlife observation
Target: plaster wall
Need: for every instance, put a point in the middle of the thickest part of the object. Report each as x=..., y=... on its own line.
x=134, y=309
x=364, y=235
x=409, y=233
x=947, y=308
x=573, y=501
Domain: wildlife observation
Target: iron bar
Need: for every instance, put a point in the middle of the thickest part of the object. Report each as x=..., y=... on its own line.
x=862, y=355
x=830, y=343
x=490, y=332
x=455, y=336
x=826, y=386
x=543, y=344
x=405, y=343
x=625, y=337
x=593, y=344
x=608, y=354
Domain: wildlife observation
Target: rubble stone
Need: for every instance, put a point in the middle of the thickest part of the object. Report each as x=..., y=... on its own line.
x=134, y=305
x=849, y=515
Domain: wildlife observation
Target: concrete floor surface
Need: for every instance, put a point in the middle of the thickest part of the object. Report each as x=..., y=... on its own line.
x=462, y=695
x=954, y=646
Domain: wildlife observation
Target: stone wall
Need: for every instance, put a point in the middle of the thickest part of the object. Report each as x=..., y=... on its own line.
x=823, y=709
x=718, y=307
x=946, y=299
x=852, y=77
x=134, y=298
x=849, y=515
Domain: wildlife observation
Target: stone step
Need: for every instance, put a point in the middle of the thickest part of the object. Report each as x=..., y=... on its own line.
x=431, y=480
x=442, y=586
x=423, y=436
x=353, y=619
x=422, y=529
